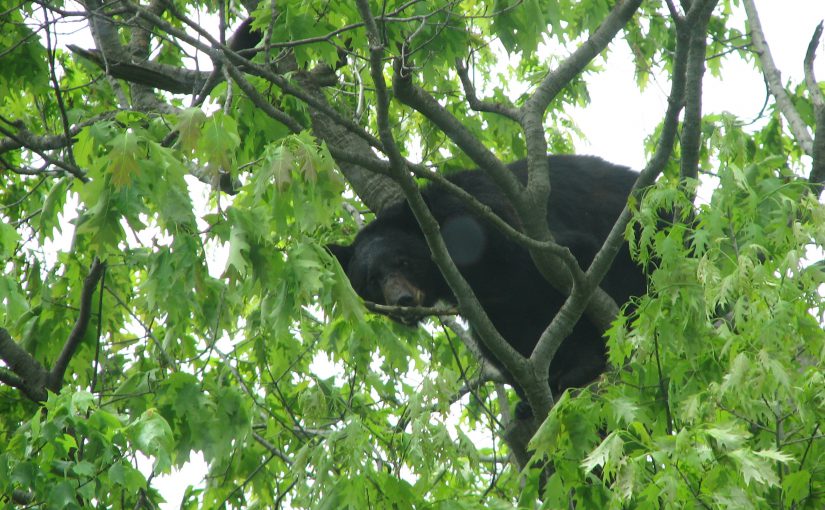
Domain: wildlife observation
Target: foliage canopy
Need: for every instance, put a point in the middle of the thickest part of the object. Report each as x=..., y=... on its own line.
x=166, y=289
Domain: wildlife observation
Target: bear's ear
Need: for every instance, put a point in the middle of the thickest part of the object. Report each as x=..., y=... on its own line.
x=342, y=253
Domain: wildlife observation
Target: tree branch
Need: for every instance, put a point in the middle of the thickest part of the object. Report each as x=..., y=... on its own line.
x=27, y=369
x=817, y=176
x=419, y=100
x=25, y=138
x=67, y=167
x=774, y=78
x=697, y=22
x=571, y=310
x=467, y=302
x=533, y=211
x=9, y=378
x=475, y=103
x=55, y=378
x=556, y=80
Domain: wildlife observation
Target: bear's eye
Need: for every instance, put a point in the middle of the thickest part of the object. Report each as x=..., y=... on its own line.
x=404, y=264
x=373, y=279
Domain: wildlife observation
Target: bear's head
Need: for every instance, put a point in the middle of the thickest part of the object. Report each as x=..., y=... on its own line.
x=391, y=265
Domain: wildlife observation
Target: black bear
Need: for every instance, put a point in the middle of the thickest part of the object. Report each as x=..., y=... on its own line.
x=389, y=261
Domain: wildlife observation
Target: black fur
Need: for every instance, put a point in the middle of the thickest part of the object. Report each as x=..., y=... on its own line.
x=389, y=262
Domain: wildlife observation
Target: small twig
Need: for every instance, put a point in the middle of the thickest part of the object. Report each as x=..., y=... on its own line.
x=61, y=105
x=411, y=312
x=662, y=384
x=475, y=103
x=271, y=448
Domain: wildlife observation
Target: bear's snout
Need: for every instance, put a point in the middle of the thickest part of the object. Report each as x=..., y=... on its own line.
x=399, y=291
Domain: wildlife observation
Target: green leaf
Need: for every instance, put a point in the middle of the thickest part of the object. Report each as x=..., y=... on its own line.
x=754, y=468
x=8, y=239
x=126, y=476
x=189, y=126
x=607, y=453
x=218, y=141
x=796, y=486
x=52, y=206
x=153, y=437
x=62, y=495
x=123, y=158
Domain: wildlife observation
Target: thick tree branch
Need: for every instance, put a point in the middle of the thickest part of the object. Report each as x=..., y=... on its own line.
x=572, y=309
x=467, y=302
x=556, y=80
x=28, y=371
x=55, y=378
x=62, y=165
x=533, y=208
x=151, y=74
x=697, y=22
x=9, y=378
x=25, y=138
x=419, y=100
x=817, y=176
x=774, y=78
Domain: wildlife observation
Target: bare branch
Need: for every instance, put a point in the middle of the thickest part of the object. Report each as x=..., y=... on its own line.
x=774, y=78
x=418, y=99
x=571, y=310
x=62, y=165
x=9, y=378
x=55, y=378
x=271, y=448
x=475, y=103
x=697, y=22
x=25, y=367
x=260, y=102
x=25, y=138
x=817, y=176
x=161, y=76
x=817, y=97
x=556, y=80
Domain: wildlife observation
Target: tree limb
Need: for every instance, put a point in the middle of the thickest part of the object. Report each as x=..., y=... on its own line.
x=25, y=138
x=817, y=176
x=571, y=310
x=25, y=367
x=467, y=301
x=55, y=378
x=774, y=78
x=478, y=105
x=697, y=22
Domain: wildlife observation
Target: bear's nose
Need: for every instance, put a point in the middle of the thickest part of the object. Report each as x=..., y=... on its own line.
x=405, y=300
x=398, y=291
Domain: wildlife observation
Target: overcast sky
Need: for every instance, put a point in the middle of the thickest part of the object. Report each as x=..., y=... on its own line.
x=620, y=117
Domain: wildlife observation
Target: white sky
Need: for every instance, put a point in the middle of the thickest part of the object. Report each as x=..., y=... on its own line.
x=620, y=117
